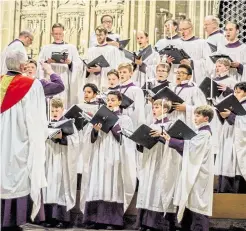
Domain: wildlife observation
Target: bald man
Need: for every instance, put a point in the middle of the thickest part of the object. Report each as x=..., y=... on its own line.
x=25, y=39
x=215, y=36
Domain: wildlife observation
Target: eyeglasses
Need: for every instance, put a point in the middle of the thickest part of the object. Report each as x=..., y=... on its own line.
x=107, y=21
x=184, y=29
x=181, y=73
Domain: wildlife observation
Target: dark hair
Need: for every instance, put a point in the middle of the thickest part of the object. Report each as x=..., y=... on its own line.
x=113, y=72
x=32, y=61
x=57, y=25
x=145, y=33
x=92, y=86
x=187, y=67
x=174, y=22
x=241, y=86
x=106, y=15
x=205, y=111
x=116, y=93
x=235, y=23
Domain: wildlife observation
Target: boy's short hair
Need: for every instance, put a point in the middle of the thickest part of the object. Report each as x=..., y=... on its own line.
x=164, y=65
x=117, y=94
x=128, y=66
x=241, y=86
x=101, y=29
x=187, y=67
x=166, y=104
x=113, y=72
x=224, y=61
x=93, y=87
x=205, y=110
x=32, y=61
x=57, y=102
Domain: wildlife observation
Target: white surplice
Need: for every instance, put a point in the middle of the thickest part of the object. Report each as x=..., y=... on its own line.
x=136, y=111
x=238, y=54
x=61, y=172
x=72, y=78
x=109, y=172
x=113, y=56
x=195, y=185
x=24, y=130
x=16, y=45
x=199, y=52
x=193, y=97
x=140, y=78
x=159, y=169
x=217, y=39
x=231, y=158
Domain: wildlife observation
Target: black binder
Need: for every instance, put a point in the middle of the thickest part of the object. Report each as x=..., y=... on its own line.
x=59, y=57
x=205, y=86
x=99, y=61
x=214, y=58
x=167, y=93
x=66, y=126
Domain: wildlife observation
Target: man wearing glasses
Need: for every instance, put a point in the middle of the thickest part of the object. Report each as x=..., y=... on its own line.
x=25, y=39
x=198, y=50
x=107, y=23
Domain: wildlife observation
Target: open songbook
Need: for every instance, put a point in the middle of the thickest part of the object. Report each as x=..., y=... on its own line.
x=99, y=61
x=144, y=54
x=52, y=132
x=206, y=86
x=177, y=54
x=66, y=126
x=122, y=43
x=59, y=57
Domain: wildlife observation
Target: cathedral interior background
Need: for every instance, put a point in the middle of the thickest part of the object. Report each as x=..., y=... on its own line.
x=80, y=17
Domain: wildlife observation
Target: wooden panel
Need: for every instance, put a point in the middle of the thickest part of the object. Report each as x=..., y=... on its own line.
x=227, y=205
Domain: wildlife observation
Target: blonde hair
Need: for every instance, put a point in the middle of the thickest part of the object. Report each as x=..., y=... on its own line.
x=57, y=102
x=164, y=65
x=224, y=61
x=205, y=110
x=128, y=66
x=166, y=104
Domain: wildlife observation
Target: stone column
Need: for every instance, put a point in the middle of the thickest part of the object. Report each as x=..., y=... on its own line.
x=142, y=14
x=202, y=10
x=131, y=21
x=152, y=22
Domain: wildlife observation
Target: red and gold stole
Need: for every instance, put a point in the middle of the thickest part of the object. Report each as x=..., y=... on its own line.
x=13, y=89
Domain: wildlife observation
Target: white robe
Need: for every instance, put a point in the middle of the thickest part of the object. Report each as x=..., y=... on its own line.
x=93, y=38
x=237, y=54
x=199, y=52
x=162, y=43
x=193, y=97
x=72, y=80
x=109, y=172
x=217, y=39
x=24, y=130
x=113, y=56
x=158, y=174
x=61, y=172
x=230, y=160
x=140, y=78
x=195, y=186
x=136, y=111
x=16, y=45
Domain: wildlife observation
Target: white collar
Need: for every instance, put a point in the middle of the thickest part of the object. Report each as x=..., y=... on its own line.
x=127, y=82
x=202, y=125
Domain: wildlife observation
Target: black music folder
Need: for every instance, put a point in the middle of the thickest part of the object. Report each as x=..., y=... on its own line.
x=213, y=48
x=167, y=93
x=205, y=86
x=126, y=102
x=74, y=112
x=122, y=43
x=59, y=57
x=214, y=58
x=99, y=61
x=65, y=125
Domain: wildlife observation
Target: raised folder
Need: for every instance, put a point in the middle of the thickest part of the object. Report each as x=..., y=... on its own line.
x=145, y=53
x=214, y=58
x=177, y=54
x=105, y=117
x=181, y=131
x=122, y=43
x=66, y=126
x=142, y=136
x=74, y=112
x=167, y=93
x=231, y=103
x=126, y=102
x=205, y=86
x=99, y=61
x=213, y=48
x=59, y=57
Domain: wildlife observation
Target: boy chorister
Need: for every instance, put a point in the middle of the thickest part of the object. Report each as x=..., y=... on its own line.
x=194, y=194
x=109, y=173
x=61, y=161
x=190, y=93
x=230, y=161
x=158, y=174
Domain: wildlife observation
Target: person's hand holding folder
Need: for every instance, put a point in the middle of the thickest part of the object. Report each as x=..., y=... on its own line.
x=170, y=59
x=49, y=60
x=165, y=136
x=225, y=113
x=58, y=136
x=97, y=127
x=139, y=61
x=179, y=106
x=235, y=64
x=96, y=69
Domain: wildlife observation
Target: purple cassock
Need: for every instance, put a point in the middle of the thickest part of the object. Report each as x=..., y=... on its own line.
x=191, y=220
